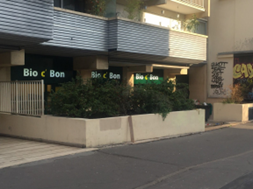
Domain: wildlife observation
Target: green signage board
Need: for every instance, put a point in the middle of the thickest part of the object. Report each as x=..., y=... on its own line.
x=144, y=78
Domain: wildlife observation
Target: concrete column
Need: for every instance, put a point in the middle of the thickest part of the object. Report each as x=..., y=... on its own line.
x=84, y=74
x=91, y=63
x=197, y=83
x=5, y=73
x=13, y=58
x=167, y=74
x=172, y=73
x=128, y=73
x=128, y=77
x=85, y=65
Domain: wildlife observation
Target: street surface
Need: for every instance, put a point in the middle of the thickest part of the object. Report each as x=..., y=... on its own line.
x=219, y=159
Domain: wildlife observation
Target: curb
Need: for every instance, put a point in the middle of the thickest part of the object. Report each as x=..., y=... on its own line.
x=226, y=126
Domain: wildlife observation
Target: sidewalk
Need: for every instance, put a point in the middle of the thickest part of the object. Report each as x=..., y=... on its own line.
x=16, y=151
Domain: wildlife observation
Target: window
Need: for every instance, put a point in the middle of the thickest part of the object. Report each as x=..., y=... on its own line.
x=162, y=21
x=57, y=3
x=76, y=5
x=202, y=27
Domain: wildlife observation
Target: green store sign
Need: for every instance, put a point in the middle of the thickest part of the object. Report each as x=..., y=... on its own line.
x=145, y=78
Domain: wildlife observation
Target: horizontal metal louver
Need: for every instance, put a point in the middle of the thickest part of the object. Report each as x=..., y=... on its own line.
x=132, y=37
x=189, y=46
x=29, y=20
x=79, y=32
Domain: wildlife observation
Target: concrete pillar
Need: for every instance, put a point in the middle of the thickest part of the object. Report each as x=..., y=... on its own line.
x=85, y=65
x=5, y=73
x=8, y=59
x=13, y=58
x=91, y=63
x=128, y=73
x=197, y=83
x=172, y=73
x=168, y=75
x=128, y=77
x=84, y=74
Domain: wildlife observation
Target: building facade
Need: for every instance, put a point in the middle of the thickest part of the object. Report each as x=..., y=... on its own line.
x=230, y=49
x=57, y=40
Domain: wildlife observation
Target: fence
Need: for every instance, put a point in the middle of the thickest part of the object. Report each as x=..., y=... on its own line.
x=197, y=3
x=22, y=97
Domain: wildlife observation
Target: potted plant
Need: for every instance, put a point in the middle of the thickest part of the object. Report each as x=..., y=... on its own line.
x=192, y=24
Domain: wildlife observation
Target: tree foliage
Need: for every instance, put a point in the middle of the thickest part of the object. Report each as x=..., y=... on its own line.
x=99, y=98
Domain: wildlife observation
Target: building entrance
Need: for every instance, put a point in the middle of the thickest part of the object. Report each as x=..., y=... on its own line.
x=53, y=70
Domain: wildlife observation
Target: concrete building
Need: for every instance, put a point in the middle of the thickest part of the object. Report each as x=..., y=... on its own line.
x=230, y=50
x=55, y=40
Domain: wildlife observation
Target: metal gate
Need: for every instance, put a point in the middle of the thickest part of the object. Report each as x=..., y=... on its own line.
x=22, y=97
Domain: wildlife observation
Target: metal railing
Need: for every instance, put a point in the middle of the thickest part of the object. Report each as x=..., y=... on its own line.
x=22, y=97
x=196, y=3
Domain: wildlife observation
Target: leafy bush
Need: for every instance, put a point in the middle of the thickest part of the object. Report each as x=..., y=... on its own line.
x=236, y=95
x=146, y=100
x=99, y=98
x=177, y=94
x=94, y=99
x=247, y=89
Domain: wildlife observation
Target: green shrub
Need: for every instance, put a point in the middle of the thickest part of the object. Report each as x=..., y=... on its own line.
x=180, y=98
x=176, y=93
x=246, y=89
x=146, y=100
x=99, y=98
x=70, y=100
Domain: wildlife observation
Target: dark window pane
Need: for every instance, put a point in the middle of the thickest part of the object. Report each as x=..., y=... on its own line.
x=69, y=4
x=80, y=5
x=57, y=3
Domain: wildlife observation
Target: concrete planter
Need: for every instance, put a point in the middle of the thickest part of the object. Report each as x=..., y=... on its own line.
x=231, y=112
x=101, y=132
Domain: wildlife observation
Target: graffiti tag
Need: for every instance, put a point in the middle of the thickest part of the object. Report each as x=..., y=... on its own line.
x=217, y=78
x=243, y=71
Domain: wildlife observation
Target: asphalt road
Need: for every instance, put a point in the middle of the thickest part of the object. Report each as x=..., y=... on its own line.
x=211, y=160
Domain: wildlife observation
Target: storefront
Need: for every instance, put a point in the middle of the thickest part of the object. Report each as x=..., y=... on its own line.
x=157, y=76
x=53, y=70
x=113, y=73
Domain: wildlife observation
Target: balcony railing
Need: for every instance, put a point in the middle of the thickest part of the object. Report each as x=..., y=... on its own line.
x=196, y=3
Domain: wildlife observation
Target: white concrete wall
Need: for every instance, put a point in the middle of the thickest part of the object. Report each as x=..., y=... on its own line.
x=101, y=132
x=176, y=124
x=47, y=128
x=107, y=131
x=231, y=112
